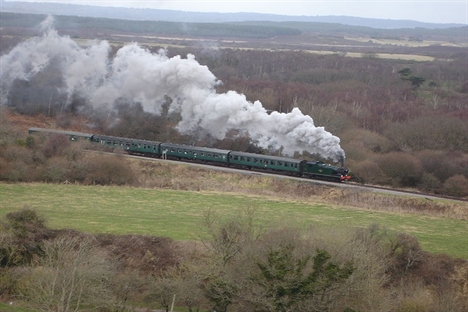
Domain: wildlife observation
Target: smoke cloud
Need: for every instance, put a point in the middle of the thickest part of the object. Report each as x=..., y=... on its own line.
x=137, y=75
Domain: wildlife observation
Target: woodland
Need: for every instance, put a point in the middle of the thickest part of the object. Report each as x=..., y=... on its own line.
x=403, y=123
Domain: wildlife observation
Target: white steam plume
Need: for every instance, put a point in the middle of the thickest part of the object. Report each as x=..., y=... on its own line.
x=137, y=75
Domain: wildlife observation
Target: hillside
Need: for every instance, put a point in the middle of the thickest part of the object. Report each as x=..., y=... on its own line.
x=199, y=17
x=396, y=107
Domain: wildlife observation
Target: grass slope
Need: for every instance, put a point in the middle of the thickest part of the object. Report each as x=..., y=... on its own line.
x=178, y=214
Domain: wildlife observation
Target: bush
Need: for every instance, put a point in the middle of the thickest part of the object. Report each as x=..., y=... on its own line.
x=22, y=234
x=18, y=153
x=148, y=255
x=73, y=274
x=105, y=170
x=368, y=140
x=430, y=183
x=367, y=171
x=56, y=145
x=401, y=169
x=441, y=164
x=457, y=186
x=56, y=170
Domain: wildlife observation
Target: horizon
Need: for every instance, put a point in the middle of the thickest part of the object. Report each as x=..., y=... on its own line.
x=439, y=12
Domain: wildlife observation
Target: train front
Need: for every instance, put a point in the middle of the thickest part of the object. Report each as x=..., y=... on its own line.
x=343, y=171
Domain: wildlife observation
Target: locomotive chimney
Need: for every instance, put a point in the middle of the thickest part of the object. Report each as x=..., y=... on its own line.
x=341, y=160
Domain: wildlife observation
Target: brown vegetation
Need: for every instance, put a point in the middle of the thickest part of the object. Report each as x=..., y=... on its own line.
x=395, y=130
x=394, y=133
x=238, y=267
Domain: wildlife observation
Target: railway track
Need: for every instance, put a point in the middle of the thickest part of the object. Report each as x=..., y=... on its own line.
x=348, y=185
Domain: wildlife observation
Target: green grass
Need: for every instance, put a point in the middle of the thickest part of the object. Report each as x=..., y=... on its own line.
x=178, y=214
x=12, y=308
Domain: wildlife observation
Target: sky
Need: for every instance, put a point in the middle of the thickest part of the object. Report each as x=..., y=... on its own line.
x=442, y=11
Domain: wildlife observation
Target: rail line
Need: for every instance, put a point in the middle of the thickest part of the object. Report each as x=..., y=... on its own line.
x=353, y=185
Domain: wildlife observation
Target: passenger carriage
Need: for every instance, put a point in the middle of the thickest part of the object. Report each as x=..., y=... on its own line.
x=72, y=136
x=188, y=152
x=265, y=162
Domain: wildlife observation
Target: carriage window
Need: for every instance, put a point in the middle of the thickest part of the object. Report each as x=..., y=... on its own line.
x=248, y=159
x=203, y=154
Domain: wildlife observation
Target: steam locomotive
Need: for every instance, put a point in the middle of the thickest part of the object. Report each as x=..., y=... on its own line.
x=220, y=157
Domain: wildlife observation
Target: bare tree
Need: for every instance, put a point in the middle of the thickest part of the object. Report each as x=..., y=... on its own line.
x=71, y=275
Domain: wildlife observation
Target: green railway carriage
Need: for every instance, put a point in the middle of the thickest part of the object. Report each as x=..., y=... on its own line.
x=178, y=151
x=132, y=146
x=318, y=169
x=290, y=166
x=265, y=162
x=72, y=136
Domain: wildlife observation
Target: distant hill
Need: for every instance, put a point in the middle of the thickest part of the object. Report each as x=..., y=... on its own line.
x=200, y=17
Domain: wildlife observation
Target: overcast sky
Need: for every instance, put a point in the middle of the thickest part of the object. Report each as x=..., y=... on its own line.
x=442, y=11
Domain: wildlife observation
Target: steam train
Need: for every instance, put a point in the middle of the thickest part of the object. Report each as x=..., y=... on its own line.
x=220, y=157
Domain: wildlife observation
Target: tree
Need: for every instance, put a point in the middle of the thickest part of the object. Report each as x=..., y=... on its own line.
x=221, y=293
x=22, y=234
x=227, y=238
x=162, y=291
x=416, y=81
x=296, y=284
x=457, y=185
x=71, y=275
x=406, y=74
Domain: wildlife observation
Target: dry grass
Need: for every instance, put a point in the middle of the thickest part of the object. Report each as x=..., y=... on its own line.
x=157, y=174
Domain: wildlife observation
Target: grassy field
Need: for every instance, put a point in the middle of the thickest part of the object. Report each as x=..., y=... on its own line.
x=178, y=214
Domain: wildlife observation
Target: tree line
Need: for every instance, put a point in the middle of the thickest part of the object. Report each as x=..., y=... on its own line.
x=248, y=29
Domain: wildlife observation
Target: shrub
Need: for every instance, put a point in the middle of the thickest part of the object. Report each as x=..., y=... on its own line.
x=367, y=171
x=105, y=170
x=457, y=186
x=439, y=163
x=73, y=275
x=56, y=170
x=18, y=153
x=146, y=254
x=56, y=145
x=402, y=169
x=369, y=140
x=430, y=183
x=14, y=171
x=22, y=234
